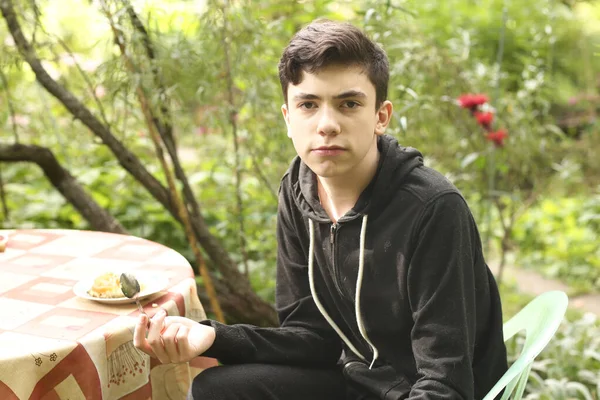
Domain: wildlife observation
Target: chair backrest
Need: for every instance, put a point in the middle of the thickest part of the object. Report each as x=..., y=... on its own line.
x=539, y=319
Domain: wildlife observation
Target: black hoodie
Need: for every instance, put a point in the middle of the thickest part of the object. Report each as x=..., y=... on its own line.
x=400, y=278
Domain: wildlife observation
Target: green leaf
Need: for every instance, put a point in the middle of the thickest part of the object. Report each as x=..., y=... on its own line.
x=469, y=159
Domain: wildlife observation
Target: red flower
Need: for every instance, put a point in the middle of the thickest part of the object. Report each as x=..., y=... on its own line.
x=497, y=137
x=484, y=118
x=472, y=100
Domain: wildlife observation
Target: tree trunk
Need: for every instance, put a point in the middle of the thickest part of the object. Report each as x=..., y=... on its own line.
x=239, y=309
x=65, y=183
x=237, y=285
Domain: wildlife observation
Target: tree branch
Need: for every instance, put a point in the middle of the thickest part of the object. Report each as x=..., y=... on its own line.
x=182, y=211
x=261, y=174
x=3, y=196
x=86, y=78
x=127, y=159
x=212, y=246
x=230, y=275
x=65, y=183
x=11, y=108
x=236, y=147
x=239, y=309
x=163, y=122
x=240, y=295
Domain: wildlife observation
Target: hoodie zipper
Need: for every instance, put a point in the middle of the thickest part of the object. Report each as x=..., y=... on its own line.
x=336, y=274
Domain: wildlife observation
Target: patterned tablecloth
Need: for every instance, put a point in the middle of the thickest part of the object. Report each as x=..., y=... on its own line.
x=56, y=345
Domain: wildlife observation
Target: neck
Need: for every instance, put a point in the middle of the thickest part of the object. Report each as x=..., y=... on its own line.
x=339, y=194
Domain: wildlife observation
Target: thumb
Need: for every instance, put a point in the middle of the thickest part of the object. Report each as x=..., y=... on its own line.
x=202, y=337
x=139, y=335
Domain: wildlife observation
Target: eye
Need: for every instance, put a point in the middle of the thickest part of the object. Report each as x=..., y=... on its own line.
x=350, y=104
x=307, y=105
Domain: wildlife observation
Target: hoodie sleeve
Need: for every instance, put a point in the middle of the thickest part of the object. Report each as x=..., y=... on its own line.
x=304, y=336
x=441, y=288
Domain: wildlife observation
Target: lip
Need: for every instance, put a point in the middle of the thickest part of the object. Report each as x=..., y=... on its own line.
x=328, y=150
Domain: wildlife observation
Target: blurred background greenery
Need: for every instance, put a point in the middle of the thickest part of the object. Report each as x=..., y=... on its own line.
x=536, y=197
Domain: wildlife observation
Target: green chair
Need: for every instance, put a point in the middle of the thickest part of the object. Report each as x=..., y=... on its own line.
x=540, y=320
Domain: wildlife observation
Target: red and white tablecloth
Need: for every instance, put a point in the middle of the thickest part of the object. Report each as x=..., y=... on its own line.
x=55, y=345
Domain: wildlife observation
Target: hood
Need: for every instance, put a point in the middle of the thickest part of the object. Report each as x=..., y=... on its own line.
x=395, y=163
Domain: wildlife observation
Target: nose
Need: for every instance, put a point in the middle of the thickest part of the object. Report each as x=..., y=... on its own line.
x=328, y=123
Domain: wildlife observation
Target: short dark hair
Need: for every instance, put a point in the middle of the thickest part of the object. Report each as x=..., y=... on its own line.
x=323, y=43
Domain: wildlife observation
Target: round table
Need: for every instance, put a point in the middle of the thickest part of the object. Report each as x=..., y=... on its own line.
x=56, y=345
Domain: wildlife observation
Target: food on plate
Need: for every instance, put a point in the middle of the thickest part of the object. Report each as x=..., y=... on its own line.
x=106, y=286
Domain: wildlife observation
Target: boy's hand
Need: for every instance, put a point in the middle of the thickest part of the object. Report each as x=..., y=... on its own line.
x=172, y=339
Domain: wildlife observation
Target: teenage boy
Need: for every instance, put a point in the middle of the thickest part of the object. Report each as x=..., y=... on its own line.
x=382, y=288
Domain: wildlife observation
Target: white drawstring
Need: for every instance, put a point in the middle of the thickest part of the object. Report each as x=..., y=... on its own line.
x=361, y=267
x=314, y=293
x=359, y=278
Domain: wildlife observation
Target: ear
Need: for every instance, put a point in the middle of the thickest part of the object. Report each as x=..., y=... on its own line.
x=286, y=118
x=384, y=116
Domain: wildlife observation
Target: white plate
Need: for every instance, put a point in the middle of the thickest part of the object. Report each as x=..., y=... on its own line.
x=153, y=284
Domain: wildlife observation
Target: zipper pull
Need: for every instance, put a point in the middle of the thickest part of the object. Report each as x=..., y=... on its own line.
x=332, y=234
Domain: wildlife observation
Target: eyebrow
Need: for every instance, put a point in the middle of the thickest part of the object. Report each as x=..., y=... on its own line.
x=343, y=95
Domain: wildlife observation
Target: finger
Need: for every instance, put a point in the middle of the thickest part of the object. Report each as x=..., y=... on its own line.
x=183, y=344
x=169, y=337
x=139, y=335
x=154, y=336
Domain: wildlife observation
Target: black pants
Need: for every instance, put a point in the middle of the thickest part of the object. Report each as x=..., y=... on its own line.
x=271, y=382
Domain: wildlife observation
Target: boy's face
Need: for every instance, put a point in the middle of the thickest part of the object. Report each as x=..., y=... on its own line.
x=332, y=120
